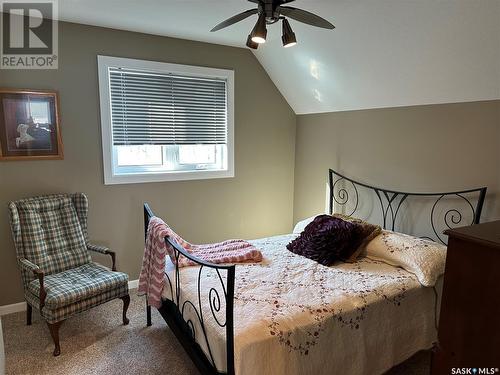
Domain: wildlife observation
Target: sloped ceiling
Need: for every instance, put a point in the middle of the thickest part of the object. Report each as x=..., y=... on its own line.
x=383, y=53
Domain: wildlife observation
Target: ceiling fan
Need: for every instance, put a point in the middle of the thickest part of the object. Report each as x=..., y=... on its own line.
x=272, y=11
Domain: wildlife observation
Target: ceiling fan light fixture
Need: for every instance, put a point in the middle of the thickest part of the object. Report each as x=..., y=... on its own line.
x=258, y=39
x=288, y=36
x=270, y=12
x=259, y=31
x=251, y=44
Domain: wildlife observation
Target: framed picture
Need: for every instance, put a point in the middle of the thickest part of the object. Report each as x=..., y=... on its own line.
x=29, y=125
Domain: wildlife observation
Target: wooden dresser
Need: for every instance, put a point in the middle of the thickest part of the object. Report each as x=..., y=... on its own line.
x=469, y=323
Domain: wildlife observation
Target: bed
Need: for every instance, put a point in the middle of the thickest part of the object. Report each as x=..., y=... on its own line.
x=290, y=315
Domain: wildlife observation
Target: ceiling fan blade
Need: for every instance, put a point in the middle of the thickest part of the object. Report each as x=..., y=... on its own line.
x=305, y=17
x=237, y=18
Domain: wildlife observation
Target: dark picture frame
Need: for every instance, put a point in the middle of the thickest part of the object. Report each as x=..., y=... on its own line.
x=29, y=125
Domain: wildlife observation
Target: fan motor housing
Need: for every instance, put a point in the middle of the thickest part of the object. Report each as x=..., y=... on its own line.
x=270, y=9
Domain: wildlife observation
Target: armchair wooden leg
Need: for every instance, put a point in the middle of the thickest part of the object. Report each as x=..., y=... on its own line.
x=54, y=332
x=126, y=302
x=148, y=315
x=29, y=311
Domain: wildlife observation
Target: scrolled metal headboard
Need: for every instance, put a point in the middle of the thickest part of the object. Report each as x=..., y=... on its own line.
x=433, y=212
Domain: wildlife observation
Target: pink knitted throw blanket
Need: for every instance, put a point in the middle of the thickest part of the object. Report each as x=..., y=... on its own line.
x=152, y=277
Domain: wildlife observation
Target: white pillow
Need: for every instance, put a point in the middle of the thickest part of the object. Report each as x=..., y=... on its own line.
x=301, y=225
x=424, y=258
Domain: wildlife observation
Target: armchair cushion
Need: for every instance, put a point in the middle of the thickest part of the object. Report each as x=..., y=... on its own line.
x=52, y=237
x=65, y=312
x=78, y=284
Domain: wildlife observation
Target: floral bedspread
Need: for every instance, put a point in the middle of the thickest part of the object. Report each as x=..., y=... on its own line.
x=295, y=316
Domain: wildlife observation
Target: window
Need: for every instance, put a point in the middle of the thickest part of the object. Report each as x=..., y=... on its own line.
x=39, y=111
x=165, y=122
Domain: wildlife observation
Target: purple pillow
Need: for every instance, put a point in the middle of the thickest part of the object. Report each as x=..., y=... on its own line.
x=328, y=239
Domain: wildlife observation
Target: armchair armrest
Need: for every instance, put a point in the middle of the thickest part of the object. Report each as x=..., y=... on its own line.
x=103, y=250
x=97, y=248
x=39, y=275
x=27, y=265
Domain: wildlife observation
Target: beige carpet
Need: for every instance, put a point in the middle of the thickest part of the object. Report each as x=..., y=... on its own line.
x=97, y=343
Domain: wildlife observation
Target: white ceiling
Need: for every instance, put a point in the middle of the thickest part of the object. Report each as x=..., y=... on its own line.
x=383, y=53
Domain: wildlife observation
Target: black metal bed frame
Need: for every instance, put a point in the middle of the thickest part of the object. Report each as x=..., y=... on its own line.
x=173, y=312
x=391, y=202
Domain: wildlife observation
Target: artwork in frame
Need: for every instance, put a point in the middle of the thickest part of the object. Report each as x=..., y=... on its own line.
x=29, y=125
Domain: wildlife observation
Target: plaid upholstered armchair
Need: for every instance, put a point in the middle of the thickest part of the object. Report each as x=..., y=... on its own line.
x=52, y=246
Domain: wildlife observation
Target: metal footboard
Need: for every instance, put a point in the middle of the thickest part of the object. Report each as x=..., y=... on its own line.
x=190, y=328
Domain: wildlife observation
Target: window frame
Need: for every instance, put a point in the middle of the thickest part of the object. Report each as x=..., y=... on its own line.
x=108, y=154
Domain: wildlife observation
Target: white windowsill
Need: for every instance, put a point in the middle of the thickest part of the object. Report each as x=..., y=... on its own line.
x=137, y=178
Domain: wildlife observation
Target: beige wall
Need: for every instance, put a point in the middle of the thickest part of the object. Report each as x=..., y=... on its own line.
x=257, y=202
x=421, y=148
x=435, y=147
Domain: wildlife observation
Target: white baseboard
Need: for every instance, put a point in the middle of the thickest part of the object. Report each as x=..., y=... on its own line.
x=13, y=308
x=2, y=352
x=21, y=306
x=133, y=284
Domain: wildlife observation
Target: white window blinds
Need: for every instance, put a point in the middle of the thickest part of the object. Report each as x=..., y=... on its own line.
x=150, y=108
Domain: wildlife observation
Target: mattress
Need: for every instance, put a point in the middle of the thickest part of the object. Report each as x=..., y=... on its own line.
x=295, y=316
